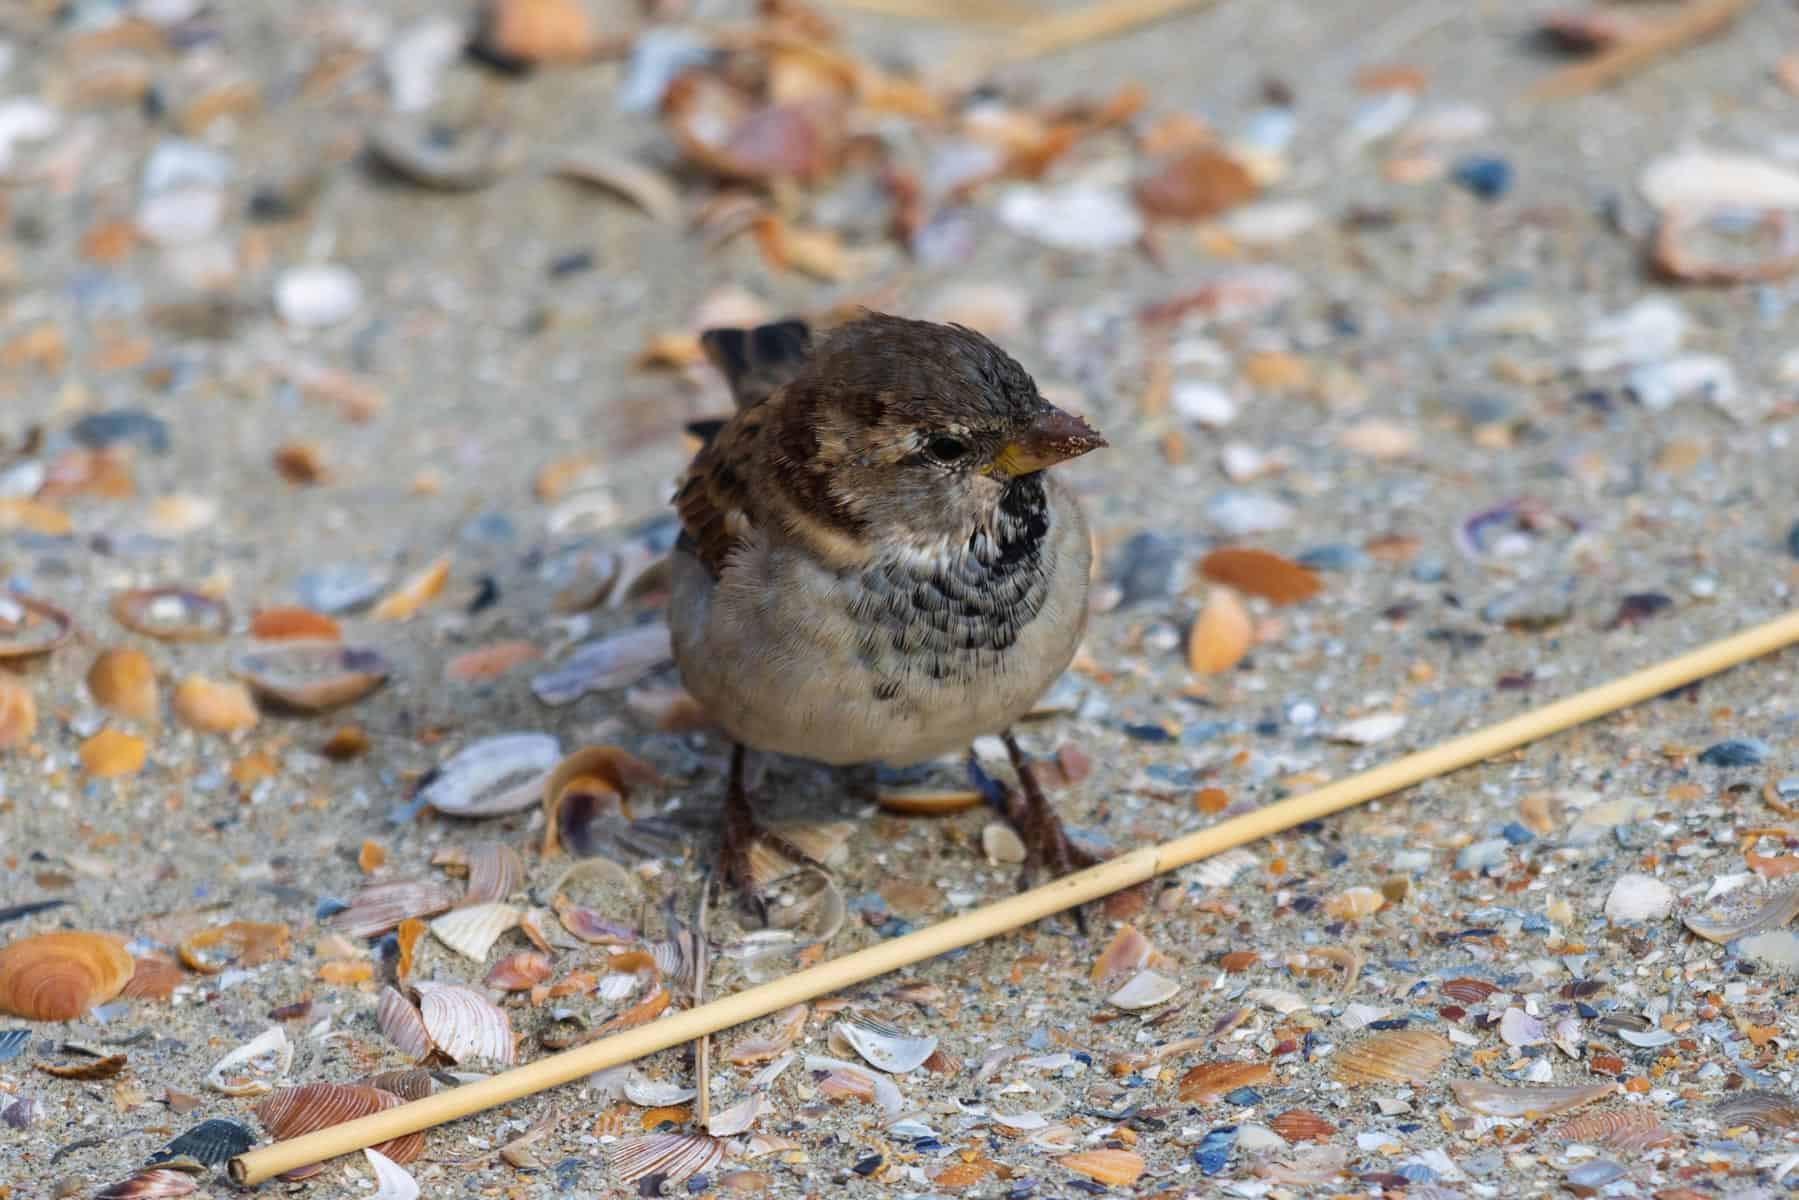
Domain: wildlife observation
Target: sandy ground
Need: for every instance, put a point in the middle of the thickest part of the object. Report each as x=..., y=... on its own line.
x=1426, y=370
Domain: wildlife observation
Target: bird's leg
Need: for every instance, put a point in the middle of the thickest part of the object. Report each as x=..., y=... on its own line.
x=742, y=832
x=1047, y=844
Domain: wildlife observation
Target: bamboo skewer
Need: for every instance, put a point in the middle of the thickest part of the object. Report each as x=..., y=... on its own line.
x=1015, y=911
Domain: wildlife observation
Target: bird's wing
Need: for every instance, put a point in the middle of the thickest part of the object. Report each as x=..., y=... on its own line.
x=716, y=502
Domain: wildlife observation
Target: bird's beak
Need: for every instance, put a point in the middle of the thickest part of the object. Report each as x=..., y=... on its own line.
x=1055, y=436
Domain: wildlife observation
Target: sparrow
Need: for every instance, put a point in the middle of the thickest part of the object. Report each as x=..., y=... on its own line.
x=874, y=564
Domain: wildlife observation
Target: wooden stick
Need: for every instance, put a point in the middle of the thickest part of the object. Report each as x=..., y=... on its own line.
x=1699, y=20
x=1015, y=911
x=949, y=12
x=1063, y=31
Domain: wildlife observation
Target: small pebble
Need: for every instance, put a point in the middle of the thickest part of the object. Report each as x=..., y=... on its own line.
x=1487, y=177
x=1639, y=898
x=312, y=297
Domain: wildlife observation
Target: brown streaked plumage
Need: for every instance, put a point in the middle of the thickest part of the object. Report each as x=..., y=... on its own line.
x=874, y=564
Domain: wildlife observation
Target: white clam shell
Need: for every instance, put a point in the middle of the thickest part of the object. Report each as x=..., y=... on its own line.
x=1639, y=898
x=1145, y=989
x=464, y=1024
x=392, y=1181
x=886, y=1046
x=264, y=1059
x=500, y=774
x=472, y=931
x=729, y=1122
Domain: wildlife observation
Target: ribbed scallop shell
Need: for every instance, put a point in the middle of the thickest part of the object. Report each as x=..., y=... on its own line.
x=1302, y=1125
x=402, y=1025
x=675, y=1156
x=59, y=976
x=472, y=930
x=153, y=978
x=1772, y=913
x=211, y=1143
x=1398, y=1056
x=1627, y=1129
x=156, y=1183
x=1502, y=1100
x=1468, y=991
x=1767, y=1111
x=379, y=907
x=408, y=1083
x=1208, y=1081
x=464, y=1024
x=296, y=1111
x=495, y=871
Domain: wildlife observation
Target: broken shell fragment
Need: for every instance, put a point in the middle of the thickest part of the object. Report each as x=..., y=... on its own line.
x=236, y=944
x=18, y=713
x=111, y=754
x=214, y=706
x=312, y=676
x=588, y=786
x=495, y=871
x=1772, y=913
x=1113, y=1168
x=293, y=623
x=401, y=1024
x=254, y=1067
x=729, y=1122
x=381, y=906
x=211, y=1143
x=1221, y=634
x=644, y=186
x=1261, y=573
x=930, y=802
x=414, y=593
x=30, y=627
x=1634, y=1129
x=123, y=681
x=672, y=1156
x=151, y=1183
x=59, y=976
x=495, y=775
x=436, y=155
x=1397, y=1056
x=1769, y=1112
x=1210, y=1081
x=520, y=970
x=1145, y=989
x=171, y=614
x=296, y=1111
x=788, y=1024
x=464, y=1024
x=885, y=1046
x=472, y=929
x=1500, y=1100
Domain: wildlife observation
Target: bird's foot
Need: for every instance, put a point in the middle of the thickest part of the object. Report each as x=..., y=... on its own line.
x=742, y=833
x=1047, y=846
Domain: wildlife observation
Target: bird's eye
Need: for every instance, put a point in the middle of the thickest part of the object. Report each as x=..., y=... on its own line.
x=946, y=449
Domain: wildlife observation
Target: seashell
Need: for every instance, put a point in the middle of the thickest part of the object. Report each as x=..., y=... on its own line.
x=463, y=1024
x=1397, y=1056
x=1261, y=573
x=491, y=661
x=1468, y=991
x=1209, y=1081
x=929, y=802
x=123, y=681
x=855, y=1081
x=212, y=706
x=1645, y=1039
x=1769, y=1112
x=1302, y=1125
x=1519, y=1028
x=789, y=1022
x=472, y=930
x=729, y=1122
x=528, y=32
x=153, y=978
x=238, y=944
x=12, y=1043
x=59, y=976
x=1772, y=913
x=381, y=906
x=316, y=295
x=406, y=941
x=1145, y=989
x=1355, y=903
x=414, y=592
x=1637, y=897
x=427, y=151
x=90, y=1068
x=18, y=713
x=111, y=754
x=1530, y=1103
x=649, y=189
x=30, y=627
x=588, y=785
x=152, y=1183
x=495, y=775
x=885, y=1046
x=1114, y=1168
x=1001, y=845
x=312, y=676
x=1276, y=1000
x=1221, y=870
x=296, y=1111
x=1220, y=635
x=673, y=1156
x=1369, y=730
x=292, y=623
x=392, y=1181
x=645, y=1092
x=402, y=1025
x=519, y=971
x=722, y=130
x=252, y=1068
x=211, y=1143
x=171, y=614
x=1128, y=951
x=609, y=662
x=408, y=1083
x=1195, y=184
x=495, y=871
x=1634, y=1129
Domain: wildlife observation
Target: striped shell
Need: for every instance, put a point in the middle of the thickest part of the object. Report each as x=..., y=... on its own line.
x=380, y=907
x=1772, y=913
x=1398, y=1056
x=408, y=1083
x=464, y=1024
x=293, y=1112
x=495, y=871
x=1302, y=1125
x=1468, y=991
x=674, y=1156
x=401, y=1024
x=1628, y=1129
x=472, y=930
x=1762, y=1110
x=155, y=1183
x=520, y=970
x=59, y=976
x=1208, y=1081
